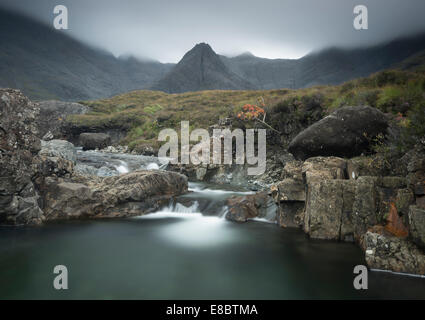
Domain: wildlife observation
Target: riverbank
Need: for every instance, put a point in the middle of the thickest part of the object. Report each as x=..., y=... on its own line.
x=186, y=251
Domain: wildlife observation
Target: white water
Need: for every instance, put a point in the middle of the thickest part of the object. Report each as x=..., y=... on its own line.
x=122, y=168
x=109, y=164
x=196, y=220
x=192, y=228
x=195, y=187
x=152, y=166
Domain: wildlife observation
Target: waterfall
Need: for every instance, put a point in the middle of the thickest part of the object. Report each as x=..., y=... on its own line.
x=152, y=166
x=122, y=167
x=176, y=210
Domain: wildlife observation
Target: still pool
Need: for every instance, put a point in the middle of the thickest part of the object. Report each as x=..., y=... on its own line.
x=185, y=255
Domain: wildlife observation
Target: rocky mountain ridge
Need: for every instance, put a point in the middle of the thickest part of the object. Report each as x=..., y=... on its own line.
x=48, y=64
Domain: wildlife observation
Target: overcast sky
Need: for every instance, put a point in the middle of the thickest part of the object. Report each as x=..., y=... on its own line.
x=165, y=29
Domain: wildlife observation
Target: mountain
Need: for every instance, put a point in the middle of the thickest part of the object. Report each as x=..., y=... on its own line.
x=328, y=66
x=263, y=73
x=48, y=64
x=201, y=69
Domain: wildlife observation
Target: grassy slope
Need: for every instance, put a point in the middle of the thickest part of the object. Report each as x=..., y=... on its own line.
x=144, y=113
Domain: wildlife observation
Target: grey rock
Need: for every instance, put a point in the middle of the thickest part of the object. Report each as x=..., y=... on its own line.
x=84, y=169
x=289, y=190
x=48, y=136
x=59, y=148
x=91, y=141
x=328, y=213
x=135, y=193
x=346, y=132
x=319, y=168
x=391, y=253
x=417, y=225
x=19, y=146
x=243, y=208
x=291, y=214
x=53, y=114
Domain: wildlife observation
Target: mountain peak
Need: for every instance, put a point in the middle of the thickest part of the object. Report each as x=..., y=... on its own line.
x=203, y=46
x=200, y=51
x=200, y=69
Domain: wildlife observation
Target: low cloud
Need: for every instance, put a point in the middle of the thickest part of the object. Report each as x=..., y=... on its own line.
x=165, y=30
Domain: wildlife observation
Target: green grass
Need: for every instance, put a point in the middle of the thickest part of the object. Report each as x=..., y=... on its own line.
x=144, y=113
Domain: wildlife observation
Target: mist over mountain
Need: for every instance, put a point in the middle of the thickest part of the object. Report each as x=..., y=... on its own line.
x=328, y=66
x=48, y=64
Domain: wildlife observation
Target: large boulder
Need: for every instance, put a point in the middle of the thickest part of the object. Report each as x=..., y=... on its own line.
x=19, y=146
x=91, y=140
x=347, y=132
x=135, y=193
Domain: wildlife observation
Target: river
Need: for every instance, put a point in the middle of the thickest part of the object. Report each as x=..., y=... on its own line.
x=186, y=250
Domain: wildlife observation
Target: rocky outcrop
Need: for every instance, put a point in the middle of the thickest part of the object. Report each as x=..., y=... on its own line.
x=19, y=146
x=416, y=173
x=59, y=148
x=387, y=252
x=290, y=195
x=378, y=212
x=91, y=140
x=38, y=181
x=292, y=192
x=346, y=132
x=376, y=198
x=329, y=199
x=53, y=115
x=371, y=166
x=320, y=168
x=131, y=194
x=328, y=213
x=243, y=208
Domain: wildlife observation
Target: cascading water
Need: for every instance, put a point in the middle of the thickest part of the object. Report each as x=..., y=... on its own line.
x=122, y=168
x=188, y=227
x=108, y=164
x=152, y=166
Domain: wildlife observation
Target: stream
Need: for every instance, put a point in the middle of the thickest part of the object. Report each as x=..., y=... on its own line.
x=186, y=250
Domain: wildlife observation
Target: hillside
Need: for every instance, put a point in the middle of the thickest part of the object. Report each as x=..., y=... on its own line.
x=328, y=66
x=46, y=64
x=142, y=114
